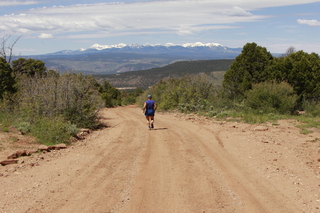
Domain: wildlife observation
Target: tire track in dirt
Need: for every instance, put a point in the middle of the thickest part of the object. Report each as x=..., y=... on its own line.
x=103, y=181
x=153, y=187
x=193, y=186
x=255, y=194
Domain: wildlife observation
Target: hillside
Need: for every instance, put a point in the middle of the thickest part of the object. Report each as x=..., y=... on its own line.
x=146, y=78
x=106, y=63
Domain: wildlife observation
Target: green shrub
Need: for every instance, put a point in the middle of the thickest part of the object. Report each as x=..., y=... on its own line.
x=186, y=108
x=23, y=127
x=5, y=121
x=212, y=113
x=188, y=94
x=110, y=95
x=271, y=97
x=5, y=128
x=128, y=100
x=253, y=118
x=223, y=115
x=75, y=97
x=51, y=131
x=312, y=108
x=130, y=96
x=72, y=129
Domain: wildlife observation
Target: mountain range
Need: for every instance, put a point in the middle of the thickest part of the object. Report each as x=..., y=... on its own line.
x=112, y=59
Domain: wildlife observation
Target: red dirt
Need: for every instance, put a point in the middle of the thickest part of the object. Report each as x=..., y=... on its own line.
x=187, y=164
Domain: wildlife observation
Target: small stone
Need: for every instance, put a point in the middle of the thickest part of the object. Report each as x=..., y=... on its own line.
x=43, y=148
x=52, y=148
x=61, y=146
x=13, y=156
x=261, y=128
x=7, y=162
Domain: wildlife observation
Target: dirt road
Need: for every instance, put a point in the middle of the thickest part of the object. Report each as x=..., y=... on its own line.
x=187, y=164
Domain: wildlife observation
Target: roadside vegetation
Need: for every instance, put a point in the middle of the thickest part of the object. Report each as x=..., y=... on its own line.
x=51, y=106
x=256, y=88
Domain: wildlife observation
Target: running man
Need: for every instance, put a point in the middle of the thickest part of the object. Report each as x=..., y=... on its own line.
x=149, y=108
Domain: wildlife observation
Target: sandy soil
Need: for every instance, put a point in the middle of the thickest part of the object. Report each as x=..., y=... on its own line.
x=187, y=164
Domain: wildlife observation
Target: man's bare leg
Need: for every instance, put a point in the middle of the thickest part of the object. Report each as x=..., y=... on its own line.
x=148, y=121
x=152, y=121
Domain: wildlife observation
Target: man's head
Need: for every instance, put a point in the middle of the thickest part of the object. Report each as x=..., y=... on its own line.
x=149, y=96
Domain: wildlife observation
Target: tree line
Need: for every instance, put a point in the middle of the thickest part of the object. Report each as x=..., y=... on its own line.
x=255, y=65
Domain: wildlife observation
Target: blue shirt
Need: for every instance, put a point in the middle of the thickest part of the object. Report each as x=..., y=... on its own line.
x=150, y=104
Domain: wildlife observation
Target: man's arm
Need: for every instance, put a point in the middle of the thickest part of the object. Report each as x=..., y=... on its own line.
x=144, y=106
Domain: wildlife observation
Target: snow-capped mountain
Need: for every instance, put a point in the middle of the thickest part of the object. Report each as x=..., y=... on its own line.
x=131, y=57
x=191, y=51
x=147, y=45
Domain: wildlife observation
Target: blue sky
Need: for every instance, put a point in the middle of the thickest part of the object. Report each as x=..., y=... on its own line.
x=48, y=26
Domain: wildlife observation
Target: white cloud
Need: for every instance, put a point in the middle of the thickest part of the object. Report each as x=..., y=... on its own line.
x=15, y=3
x=312, y=23
x=45, y=35
x=237, y=11
x=183, y=17
x=124, y=17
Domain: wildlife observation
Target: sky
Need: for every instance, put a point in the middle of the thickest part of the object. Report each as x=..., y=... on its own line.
x=47, y=26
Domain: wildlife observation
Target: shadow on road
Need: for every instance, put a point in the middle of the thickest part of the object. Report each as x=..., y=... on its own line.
x=160, y=128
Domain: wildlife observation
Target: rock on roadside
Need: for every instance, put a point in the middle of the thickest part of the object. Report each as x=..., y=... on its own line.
x=41, y=148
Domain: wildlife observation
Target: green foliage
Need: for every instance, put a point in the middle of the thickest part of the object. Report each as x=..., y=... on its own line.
x=312, y=108
x=253, y=118
x=248, y=68
x=128, y=100
x=28, y=67
x=5, y=119
x=129, y=97
x=257, y=88
x=110, y=95
x=189, y=93
x=301, y=70
x=23, y=127
x=75, y=97
x=51, y=106
x=308, y=124
x=7, y=80
x=271, y=97
x=72, y=129
x=80, y=103
x=212, y=113
x=51, y=131
x=223, y=114
x=186, y=108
